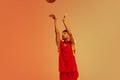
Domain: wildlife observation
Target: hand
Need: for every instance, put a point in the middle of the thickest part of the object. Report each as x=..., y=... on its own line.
x=64, y=18
x=53, y=16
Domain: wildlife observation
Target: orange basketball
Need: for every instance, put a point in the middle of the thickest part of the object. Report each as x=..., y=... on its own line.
x=50, y=1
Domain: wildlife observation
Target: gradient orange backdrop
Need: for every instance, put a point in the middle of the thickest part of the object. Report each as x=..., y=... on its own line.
x=27, y=40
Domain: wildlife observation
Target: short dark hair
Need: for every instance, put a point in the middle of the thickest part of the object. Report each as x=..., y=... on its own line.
x=65, y=30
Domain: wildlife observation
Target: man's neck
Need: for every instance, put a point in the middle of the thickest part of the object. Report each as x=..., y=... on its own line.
x=66, y=41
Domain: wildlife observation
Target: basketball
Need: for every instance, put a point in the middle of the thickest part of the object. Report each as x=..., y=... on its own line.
x=50, y=1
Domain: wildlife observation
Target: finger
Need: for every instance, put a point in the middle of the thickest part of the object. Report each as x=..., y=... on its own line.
x=63, y=16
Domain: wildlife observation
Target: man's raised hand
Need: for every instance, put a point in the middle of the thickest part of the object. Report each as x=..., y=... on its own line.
x=52, y=16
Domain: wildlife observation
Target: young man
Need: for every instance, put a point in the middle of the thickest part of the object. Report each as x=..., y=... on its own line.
x=66, y=48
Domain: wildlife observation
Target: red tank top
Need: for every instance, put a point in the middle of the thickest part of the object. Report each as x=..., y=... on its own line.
x=67, y=61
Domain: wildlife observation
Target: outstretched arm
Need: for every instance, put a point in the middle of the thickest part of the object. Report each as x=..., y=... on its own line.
x=57, y=32
x=69, y=31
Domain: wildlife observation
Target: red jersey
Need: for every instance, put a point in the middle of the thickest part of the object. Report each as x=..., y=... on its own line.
x=67, y=61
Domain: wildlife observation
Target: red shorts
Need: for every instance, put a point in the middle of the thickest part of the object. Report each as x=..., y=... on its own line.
x=69, y=76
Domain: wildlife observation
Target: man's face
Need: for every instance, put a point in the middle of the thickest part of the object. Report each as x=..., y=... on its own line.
x=65, y=36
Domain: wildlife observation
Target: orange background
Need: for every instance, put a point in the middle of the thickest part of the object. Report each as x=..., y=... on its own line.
x=27, y=40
